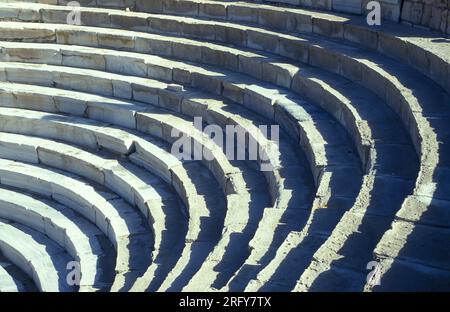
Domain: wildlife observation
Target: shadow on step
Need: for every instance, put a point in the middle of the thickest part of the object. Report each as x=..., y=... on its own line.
x=421, y=261
x=237, y=248
x=349, y=271
x=185, y=263
x=322, y=223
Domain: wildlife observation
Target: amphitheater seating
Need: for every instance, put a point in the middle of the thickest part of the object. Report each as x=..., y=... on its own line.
x=43, y=260
x=88, y=113
x=13, y=279
x=80, y=239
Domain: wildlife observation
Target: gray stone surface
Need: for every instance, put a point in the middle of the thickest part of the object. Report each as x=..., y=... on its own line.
x=360, y=172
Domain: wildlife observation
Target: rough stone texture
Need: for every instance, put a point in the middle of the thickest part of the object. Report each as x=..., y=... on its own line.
x=430, y=14
x=359, y=173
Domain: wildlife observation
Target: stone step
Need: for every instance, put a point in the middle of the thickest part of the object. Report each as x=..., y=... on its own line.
x=34, y=253
x=380, y=197
x=244, y=85
x=125, y=227
x=241, y=242
x=241, y=213
x=332, y=89
x=349, y=247
x=206, y=221
x=128, y=181
x=426, y=245
x=314, y=47
x=12, y=279
x=350, y=82
x=323, y=57
x=93, y=134
x=119, y=189
x=153, y=121
x=214, y=111
x=420, y=48
x=283, y=149
x=270, y=235
x=142, y=190
x=293, y=243
x=238, y=229
x=415, y=243
x=280, y=274
x=402, y=275
x=78, y=237
x=117, y=177
x=314, y=158
x=266, y=67
x=150, y=152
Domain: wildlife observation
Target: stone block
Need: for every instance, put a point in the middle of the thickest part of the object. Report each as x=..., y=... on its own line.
x=329, y=28
x=212, y=10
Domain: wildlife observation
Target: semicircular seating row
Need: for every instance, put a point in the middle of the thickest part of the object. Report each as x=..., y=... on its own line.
x=360, y=172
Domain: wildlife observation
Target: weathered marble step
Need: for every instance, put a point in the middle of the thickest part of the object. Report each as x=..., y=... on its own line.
x=140, y=189
x=327, y=229
x=303, y=189
x=382, y=197
x=7, y=282
x=12, y=279
x=297, y=244
x=294, y=253
x=149, y=151
x=349, y=247
x=238, y=229
x=352, y=63
x=167, y=221
x=319, y=52
x=326, y=215
x=34, y=253
x=93, y=134
x=26, y=97
x=186, y=265
x=158, y=160
x=421, y=49
x=339, y=185
x=423, y=244
x=153, y=67
x=254, y=93
x=192, y=104
x=153, y=121
x=266, y=99
x=295, y=203
x=206, y=221
x=194, y=269
x=272, y=230
x=400, y=275
x=416, y=243
x=286, y=239
x=78, y=237
x=202, y=223
x=219, y=8
x=297, y=174
x=124, y=226
x=128, y=181
x=232, y=200
x=316, y=157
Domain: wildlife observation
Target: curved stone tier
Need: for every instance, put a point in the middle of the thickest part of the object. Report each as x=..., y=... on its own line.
x=92, y=172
